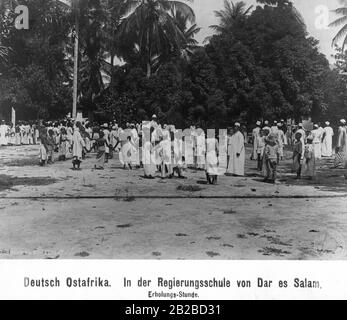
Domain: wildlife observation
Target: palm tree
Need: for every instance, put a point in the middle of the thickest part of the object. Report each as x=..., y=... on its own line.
x=115, y=10
x=87, y=22
x=6, y=17
x=233, y=13
x=342, y=21
x=153, y=28
x=3, y=54
x=190, y=44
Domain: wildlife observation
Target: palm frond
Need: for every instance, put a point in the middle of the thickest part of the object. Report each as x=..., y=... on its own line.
x=184, y=9
x=338, y=22
x=340, y=11
x=342, y=32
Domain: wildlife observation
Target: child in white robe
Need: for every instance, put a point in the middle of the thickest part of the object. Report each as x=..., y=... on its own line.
x=211, y=160
x=126, y=153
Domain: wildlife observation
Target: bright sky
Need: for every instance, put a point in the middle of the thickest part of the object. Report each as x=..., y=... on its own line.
x=311, y=10
x=205, y=17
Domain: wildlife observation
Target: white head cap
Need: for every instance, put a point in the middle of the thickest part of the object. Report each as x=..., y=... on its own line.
x=266, y=122
x=237, y=124
x=154, y=117
x=258, y=123
x=327, y=123
x=316, y=126
x=343, y=121
x=300, y=125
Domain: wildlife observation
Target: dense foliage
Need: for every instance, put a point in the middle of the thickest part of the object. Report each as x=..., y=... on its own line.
x=260, y=64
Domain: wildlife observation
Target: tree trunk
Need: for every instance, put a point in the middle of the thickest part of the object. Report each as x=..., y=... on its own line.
x=75, y=74
x=149, y=70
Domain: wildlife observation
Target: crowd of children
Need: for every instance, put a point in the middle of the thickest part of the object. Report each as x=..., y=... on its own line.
x=308, y=146
x=165, y=151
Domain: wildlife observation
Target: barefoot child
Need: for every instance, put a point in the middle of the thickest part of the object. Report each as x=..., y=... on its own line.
x=43, y=150
x=271, y=154
x=78, y=146
x=260, y=143
x=310, y=159
x=126, y=154
x=297, y=155
x=50, y=146
x=63, y=145
x=101, y=145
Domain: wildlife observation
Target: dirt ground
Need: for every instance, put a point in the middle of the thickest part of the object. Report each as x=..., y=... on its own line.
x=53, y=212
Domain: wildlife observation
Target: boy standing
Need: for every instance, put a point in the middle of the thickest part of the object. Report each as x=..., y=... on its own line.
x=310, y=159
x=297, y=155
x=260, y=143
x=271, y=154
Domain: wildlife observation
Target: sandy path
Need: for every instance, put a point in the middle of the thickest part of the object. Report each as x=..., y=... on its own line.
x=48, y=221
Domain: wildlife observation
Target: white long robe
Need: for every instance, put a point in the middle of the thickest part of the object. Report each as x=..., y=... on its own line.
x=281, y=142
x=327, y=145
x=201, y=150
x=107, y=138
x=342, y=140
x=149, y=164
x=126, y=155
x=303, y=139
x=3, y=133
x=317, y=143
x=78, y=144
x=255, y=134
x=237, y=164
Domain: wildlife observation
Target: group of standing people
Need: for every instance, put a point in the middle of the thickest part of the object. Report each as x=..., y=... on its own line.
x=160, y=148
x=307, y=145
x=24, y=133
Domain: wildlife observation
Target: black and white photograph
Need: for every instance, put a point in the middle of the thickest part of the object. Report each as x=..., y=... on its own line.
x=173, y=130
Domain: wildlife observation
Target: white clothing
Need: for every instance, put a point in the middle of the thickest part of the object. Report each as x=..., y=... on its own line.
x=211, y=156
x=236, y=164
x=78, y=144
x=327, y=149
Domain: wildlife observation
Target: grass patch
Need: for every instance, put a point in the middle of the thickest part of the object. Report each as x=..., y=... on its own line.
x=8, y=182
